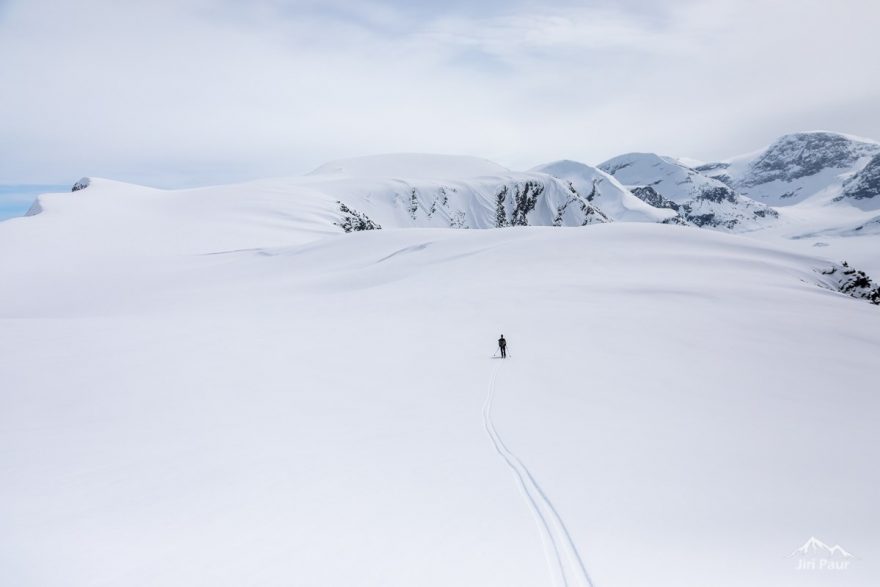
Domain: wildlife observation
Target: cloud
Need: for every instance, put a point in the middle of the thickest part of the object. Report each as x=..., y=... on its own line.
x=196, y=91
x=535, y=35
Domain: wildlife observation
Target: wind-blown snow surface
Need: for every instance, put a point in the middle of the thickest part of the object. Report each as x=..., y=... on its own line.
x=200, y=387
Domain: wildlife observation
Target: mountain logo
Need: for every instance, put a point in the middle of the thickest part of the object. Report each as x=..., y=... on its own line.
x=815, y=555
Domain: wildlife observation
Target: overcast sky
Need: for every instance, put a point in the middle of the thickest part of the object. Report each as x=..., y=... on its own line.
x=182, y=92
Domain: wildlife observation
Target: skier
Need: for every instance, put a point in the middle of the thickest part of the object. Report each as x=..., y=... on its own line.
x=502, y=344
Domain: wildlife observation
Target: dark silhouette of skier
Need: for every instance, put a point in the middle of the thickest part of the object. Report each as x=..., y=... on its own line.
x=502, y=344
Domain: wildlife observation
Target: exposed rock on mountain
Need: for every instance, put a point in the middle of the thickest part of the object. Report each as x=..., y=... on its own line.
x=664, y=182
x=604, y=191
x=354, y=221
x=864, y=185
x=451, y=192
x=804, y=154
x=797, y=167
x=81, y=184
x=650, y=196
x=852, y=282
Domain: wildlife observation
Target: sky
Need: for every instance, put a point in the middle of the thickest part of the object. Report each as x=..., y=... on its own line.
x=193, y=92
x=15, y=200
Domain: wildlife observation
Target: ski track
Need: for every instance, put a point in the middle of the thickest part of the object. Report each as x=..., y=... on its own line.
x=563, y=559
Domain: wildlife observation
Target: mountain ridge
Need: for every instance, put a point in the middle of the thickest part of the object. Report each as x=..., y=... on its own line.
x=743, y=193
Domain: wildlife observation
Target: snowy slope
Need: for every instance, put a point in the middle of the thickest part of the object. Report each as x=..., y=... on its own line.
x=699, y=199
x=837, y=232
x=869, y=227
x=240, y=216
x=605, y=191
x=219, y=387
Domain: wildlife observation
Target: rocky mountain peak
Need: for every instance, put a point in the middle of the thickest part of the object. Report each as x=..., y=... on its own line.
x=800, y=155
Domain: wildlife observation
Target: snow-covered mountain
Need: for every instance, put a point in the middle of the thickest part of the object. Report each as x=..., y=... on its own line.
x=395, y=191
x=606, y=192
x=387, y=191
x=699, y=199
x=437, y=191
x=805, y=166
x=447, y=191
